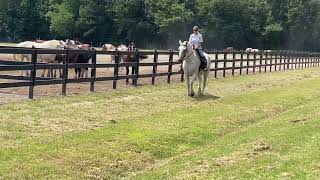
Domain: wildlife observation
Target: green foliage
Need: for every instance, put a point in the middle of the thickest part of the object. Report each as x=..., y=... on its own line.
x=132, y=22
x=172, y=17
x=62, y=20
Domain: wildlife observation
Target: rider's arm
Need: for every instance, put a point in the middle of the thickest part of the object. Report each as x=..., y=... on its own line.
x=196, y=47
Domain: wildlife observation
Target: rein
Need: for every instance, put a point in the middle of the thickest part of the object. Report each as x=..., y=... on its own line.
x=186, y=53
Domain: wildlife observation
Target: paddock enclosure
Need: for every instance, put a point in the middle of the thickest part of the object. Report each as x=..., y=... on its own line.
x=159, y=67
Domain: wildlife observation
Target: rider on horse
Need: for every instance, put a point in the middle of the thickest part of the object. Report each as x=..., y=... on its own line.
x=196, y=39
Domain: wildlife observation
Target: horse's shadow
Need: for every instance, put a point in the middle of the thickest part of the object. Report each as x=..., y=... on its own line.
x=206, y=97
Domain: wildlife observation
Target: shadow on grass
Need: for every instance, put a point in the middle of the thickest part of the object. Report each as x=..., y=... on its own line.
x=207, y=97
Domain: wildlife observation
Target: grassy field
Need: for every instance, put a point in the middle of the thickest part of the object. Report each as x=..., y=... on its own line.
x=250, y=127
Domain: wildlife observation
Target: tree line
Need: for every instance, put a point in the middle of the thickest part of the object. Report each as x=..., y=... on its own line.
x=265, y=24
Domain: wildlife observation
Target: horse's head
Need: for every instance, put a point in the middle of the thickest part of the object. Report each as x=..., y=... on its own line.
x=185, y=49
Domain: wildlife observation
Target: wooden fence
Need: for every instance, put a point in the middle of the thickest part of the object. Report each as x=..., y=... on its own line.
x=222, y=63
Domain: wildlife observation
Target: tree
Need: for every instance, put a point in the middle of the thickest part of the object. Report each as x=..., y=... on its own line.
x=95, y=21
x=133, y=22
x=226, y=22
x=33, y=20
x=173, y=19
x=63, y=16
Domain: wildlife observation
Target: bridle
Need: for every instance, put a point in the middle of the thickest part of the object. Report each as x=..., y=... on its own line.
x=185, y=52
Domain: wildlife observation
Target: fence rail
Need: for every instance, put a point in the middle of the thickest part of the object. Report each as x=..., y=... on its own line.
x=225, y=62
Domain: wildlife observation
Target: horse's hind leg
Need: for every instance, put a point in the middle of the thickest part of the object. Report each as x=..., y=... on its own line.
x=191, y=86
x=21, y=71
x=50, y=73
x=43, y=72
x=188, y=85
x=200, y=84
x=27, y=60
x=204, y=82
x=86, y=72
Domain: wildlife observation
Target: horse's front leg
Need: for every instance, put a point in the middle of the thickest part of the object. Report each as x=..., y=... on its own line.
x=200, y=84
x=27, y=60
x=81, y=71
x=191, y=86
x=75, y=73
x=43, y=73
x=188, y=85
x=22, y=59
x=204, y=83
x=50, y=73
x=86, y=72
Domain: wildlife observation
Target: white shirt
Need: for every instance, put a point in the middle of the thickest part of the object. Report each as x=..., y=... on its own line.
x=195, y=39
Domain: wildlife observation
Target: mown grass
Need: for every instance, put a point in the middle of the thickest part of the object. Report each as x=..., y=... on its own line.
x=260, y=126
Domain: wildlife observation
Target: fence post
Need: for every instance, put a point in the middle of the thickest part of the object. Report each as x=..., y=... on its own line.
x=170, y=67
x=271, y=61
x=116, y=69
x=280, y=60
x=65, y=73
x=33, y=73
x=241, y=62
x=266, y=62
x=93, y=71
x=276, y=61
x=136, y=67
x=298, y=60
x=309, y=60
x=254, y=62
x=302, y=59
x=224, y=63
x=233, y=62
x=155, y=67
x=248, y=62
x=260, y=62
x=294, y=60
x=216, y=65
x=293, y=57
x=306, y=60
x=285, y=57
x=313, y=60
